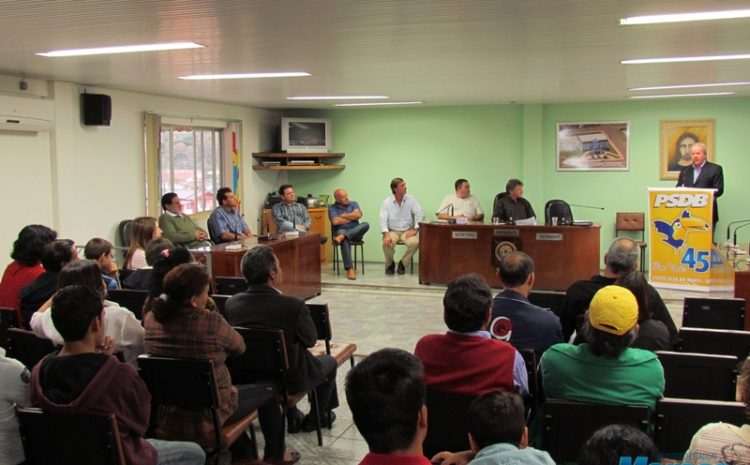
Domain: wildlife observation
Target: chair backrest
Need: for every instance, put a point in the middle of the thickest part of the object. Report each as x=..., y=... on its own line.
x=27, y=347
x=531, y=360
x=124, y=229
x=184, y=383
x=700, y=312
x=230, y=285
x=132, y=299
x=630, y=221
x=548, y=299
x=213, y=231
x=560, y=209
x=221, y=302
x=265, y=356
x=715, y=341
x=699, y=376
x=320, y=316
x=7, y=320
x=496, y=202
x=567, y=424
x=677, y=420
x=447, y=423
x=52, y=439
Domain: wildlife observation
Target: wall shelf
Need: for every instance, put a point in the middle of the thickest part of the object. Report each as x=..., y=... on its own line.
x=286, y=161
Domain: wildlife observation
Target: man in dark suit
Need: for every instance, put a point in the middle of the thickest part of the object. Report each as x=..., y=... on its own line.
x=263, y=305
x=703, y=174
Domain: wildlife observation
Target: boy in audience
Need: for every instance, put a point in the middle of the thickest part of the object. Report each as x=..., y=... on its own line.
x=84, y=378
x=608, y=446
x=386, y=395
x=101, y=250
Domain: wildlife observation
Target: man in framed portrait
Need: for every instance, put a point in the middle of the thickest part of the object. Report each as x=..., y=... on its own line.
x=703, y=174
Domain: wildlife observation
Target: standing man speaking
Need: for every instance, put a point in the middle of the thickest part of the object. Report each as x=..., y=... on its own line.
x=703, y=174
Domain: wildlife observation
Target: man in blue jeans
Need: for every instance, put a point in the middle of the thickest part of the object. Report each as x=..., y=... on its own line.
x=345, y=215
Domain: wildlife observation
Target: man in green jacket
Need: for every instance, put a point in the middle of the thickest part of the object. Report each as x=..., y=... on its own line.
x=179, y=228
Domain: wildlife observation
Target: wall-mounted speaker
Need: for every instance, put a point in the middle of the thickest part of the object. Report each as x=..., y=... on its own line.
x=96, y=109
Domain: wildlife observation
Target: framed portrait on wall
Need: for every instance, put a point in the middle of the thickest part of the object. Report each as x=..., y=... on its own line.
x=677, y=138
x=593, y=146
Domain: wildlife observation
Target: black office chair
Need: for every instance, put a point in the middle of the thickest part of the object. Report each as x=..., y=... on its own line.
x=560, y=209
x=496, y=202
x=27, y=347
x=213, y=231
x=567, y=424
x=447, y=424
x=230, y=285
x=132, y=299
x=52, y=439
x=677, y=420
x=701, y=312
x=341, y=351
x=715, y=341
x=699, y=376
x=124, y=229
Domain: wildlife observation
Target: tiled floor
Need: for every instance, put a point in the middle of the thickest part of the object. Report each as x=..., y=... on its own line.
x=379, y=311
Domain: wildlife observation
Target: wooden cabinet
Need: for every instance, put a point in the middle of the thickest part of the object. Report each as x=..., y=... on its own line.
x=320, y=224
x=297, y=161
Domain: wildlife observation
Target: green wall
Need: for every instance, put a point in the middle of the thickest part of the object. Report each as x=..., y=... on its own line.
x=431, y=147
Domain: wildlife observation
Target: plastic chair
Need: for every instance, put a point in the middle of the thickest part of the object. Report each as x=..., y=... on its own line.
x=699, y=376
x=715, y=341
x=355, y=245
x=701, y=312
x=27, y=347
x=342, y=351
x=132, y=299
x=447, y=425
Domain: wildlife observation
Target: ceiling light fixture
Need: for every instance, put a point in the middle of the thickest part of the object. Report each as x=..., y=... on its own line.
x=690, y=86
x=338, y=97
x=373, y=104
x=641, y=61
x=205, y=77
x=684, y=17
x=709, y=94
x=121, y=49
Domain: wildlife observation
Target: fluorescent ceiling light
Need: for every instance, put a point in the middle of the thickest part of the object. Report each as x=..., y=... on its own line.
x=683, y=17
x=375, y=104
x=642, y=61
x=203, y=77
x=710, y=94
x=690, y=86
x=338, y=97
x=121, y=49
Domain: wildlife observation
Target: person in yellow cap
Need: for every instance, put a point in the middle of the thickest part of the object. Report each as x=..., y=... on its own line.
x=605, y=370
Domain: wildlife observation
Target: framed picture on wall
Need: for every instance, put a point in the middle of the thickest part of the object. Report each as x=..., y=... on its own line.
x=676, y=139
x=593, y=146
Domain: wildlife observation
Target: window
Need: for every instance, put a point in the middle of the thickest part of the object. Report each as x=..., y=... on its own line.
x=190, y=164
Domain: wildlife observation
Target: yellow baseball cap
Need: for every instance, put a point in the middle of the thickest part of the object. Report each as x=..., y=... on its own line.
x=613, y=310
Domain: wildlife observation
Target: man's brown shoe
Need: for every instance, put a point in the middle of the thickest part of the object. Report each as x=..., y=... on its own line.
x=351, y=274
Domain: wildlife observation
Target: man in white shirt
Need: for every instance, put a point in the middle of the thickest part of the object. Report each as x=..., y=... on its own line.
x=400, y=215
x=461, y=204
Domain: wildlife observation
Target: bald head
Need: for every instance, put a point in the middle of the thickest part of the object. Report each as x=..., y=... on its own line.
x=622, y=256
x=516, y=269
x=341, y=197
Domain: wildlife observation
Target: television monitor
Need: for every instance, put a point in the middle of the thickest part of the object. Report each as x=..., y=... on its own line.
x=306, y=135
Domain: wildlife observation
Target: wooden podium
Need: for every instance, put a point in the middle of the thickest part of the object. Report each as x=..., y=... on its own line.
x=742, y=290
x=561, y=254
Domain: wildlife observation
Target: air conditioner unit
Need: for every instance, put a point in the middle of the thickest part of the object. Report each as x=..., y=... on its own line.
x=26, y=114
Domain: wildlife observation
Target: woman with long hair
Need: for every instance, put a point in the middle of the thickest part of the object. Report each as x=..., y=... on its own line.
x=179, y=325
x=143, y=230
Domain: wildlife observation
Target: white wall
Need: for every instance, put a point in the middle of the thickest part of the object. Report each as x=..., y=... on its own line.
x=83, y=181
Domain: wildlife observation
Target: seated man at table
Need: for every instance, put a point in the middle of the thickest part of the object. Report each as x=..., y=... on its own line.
x=178, y=227
x=461, y=204
x=400, y=215
x=290, y=215
x=466, y=360
x=512, y=207
x=225, y=223
x=263, y=305
x=344, y=216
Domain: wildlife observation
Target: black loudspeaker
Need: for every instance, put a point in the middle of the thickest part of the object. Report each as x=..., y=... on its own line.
x=96, y=109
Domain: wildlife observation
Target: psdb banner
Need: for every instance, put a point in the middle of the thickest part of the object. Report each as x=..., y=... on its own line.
x=681, y=254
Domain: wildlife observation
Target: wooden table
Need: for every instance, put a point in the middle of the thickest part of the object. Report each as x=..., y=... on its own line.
x=561, y=254
x=299, y=258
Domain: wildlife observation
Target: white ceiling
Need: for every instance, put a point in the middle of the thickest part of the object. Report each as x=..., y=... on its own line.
x=445, y=52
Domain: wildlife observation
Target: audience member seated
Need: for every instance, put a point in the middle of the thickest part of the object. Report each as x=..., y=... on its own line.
x=178, y=227
x=290, y=215
x=620, y=259
x=167, y=261
x=263, y=305
x=225, y=223
x=14, y=391
x=512, y=207
x=84, y=378
x=140, y=279
x=652, y=334
x=608, y=445
x=514, y=318
x=101, y=250
x=56, y=255
x=722, y=442
x=25, y=267
x=497, y=434
x=466, y=360
x=605, y=370
x=120, y=324
x=180, y=326
x=386, y=395
x=143, y=230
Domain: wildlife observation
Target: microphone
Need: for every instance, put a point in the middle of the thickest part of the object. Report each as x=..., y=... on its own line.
x=585, y=206
x=735, y=222
x=737, y=229
x=451, y=209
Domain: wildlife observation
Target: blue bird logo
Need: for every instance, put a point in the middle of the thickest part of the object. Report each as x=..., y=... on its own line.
x=676, y=231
